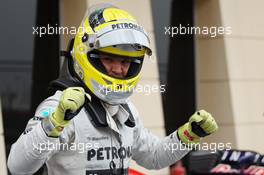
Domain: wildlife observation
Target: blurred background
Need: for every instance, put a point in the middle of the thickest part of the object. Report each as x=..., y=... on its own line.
x=222, y=74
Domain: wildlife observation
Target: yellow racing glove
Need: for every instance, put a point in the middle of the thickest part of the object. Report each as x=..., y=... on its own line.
x=70, y=104
x=200, y=124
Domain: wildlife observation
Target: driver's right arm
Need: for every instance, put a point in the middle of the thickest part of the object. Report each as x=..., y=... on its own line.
x=31, y=149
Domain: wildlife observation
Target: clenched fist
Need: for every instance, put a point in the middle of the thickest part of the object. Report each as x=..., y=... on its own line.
x=200, y=124
x=71, y=102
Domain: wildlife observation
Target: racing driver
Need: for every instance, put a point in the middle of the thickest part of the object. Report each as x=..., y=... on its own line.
x=91, y=107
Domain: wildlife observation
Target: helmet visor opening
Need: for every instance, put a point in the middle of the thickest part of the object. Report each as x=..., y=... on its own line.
x=95, y=56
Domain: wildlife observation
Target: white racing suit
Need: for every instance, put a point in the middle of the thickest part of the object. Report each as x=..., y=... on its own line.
x=84, y=149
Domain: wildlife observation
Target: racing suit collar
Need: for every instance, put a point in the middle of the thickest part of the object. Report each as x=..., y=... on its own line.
x=122, y=114
x=112, y=109
x=117, y=111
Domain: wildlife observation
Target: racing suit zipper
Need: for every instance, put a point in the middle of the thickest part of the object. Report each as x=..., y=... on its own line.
x=112, y=164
